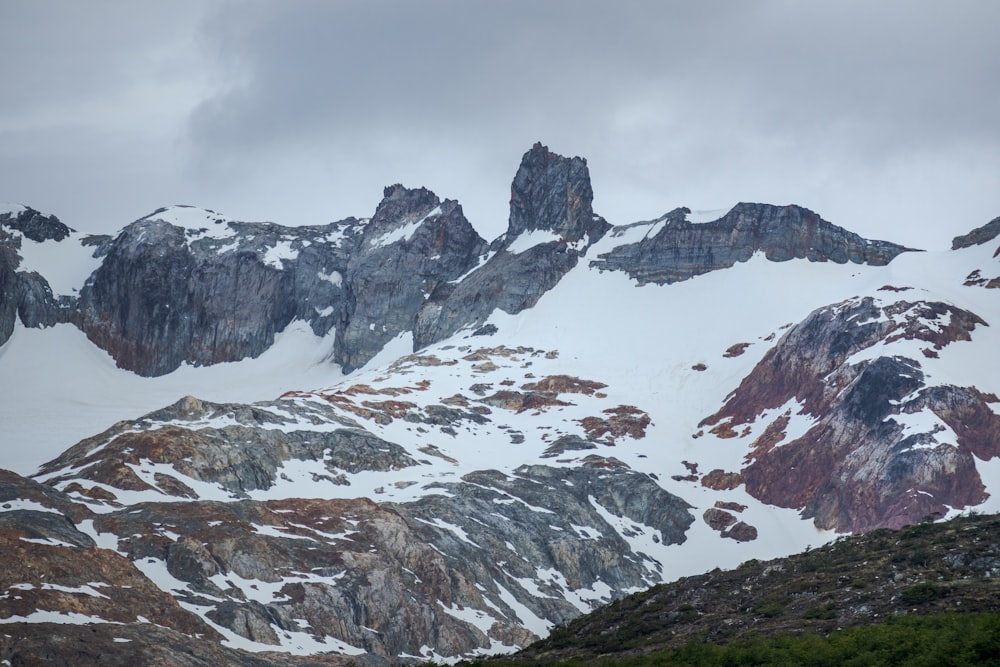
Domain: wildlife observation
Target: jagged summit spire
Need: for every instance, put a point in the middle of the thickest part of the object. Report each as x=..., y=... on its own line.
x=552, y=192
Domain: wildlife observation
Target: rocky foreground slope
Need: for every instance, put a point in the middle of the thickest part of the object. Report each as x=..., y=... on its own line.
x=572, y=413
x=951, y=567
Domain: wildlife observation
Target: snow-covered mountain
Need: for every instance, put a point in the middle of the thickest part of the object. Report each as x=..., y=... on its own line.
x=387, y=437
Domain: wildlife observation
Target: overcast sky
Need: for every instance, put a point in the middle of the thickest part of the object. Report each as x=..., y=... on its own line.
x=882, y=116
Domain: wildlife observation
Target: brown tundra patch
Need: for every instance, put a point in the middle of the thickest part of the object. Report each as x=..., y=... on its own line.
x=736, y=350
x=720, y=480
x=624, y=420
x=565, y=384
x=723, y=430
x=519, y=402
x=395, y=409
x=718, y=519
x=729, y=505
x=741, y=532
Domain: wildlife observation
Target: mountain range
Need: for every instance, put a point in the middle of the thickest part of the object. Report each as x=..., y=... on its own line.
x=388, y=439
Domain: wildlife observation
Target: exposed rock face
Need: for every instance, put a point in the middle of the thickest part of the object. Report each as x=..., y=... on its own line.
x=34, y=225
x=197, y=438
x=165, y=295
x=67, y=601
x=880, y=447
x=376, y=576
x=461, y=560
x=52, y=568
x=551, y=214
x=553, y=193
x=978, y=236
x=675, y=249
x=26, y=294
x=413, y=245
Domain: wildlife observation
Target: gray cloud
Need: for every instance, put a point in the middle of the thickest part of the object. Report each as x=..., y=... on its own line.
x=881, y=116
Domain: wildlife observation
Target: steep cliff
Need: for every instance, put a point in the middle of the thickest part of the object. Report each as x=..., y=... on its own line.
x=177, y=286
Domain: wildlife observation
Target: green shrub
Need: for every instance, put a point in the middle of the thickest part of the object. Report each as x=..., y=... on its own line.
x=922, y=593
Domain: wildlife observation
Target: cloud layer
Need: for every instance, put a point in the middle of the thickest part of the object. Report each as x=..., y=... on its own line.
x=880, y=116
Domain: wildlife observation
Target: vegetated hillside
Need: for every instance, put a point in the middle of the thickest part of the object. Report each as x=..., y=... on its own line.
x=867, y=580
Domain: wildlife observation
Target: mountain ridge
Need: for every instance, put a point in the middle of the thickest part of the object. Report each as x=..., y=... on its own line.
x=211, y=289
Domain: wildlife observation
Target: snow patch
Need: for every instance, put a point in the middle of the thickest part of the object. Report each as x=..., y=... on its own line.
x=66, y=265
x=334, y=277
x=707, y=215
x=404, y=232
x=279, y=251
x=205, y=223
x=529, y=239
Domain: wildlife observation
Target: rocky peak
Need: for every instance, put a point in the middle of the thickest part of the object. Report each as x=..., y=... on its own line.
x=413, y=245
x=550, y=194
x=676, y=249
x=33, y=224
x=787, y=232
x=400, y=206
x=553, y=193
x=978, y=236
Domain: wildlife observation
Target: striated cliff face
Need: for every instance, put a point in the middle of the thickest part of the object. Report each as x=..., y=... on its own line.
x=854, y=434
x=553, y=193
x=978, y=236
x=413, y=245
x=673, y=249
x=166, y=294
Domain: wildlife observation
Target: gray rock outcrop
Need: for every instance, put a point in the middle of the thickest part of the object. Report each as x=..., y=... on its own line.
x=413, y=245
x=550, y=194
x=35, y=225
x=165, y=295
x=680, y=249
x=26, y=295
x=978, y=236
